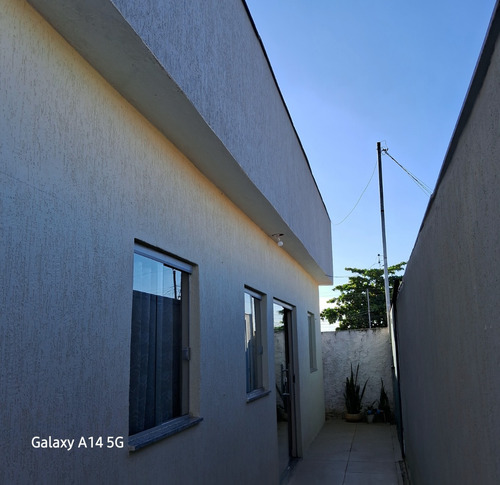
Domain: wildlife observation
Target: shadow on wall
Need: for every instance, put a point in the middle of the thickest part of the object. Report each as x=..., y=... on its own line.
x=371, y=349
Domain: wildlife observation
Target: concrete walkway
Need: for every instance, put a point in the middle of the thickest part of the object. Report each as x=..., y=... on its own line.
x=351, y=454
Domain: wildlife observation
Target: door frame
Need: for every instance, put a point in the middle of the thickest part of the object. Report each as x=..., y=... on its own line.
x=289, y=321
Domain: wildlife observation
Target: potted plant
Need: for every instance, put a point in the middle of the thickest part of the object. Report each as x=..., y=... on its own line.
x=353, y=396
x=384, y=407
x=370, y=412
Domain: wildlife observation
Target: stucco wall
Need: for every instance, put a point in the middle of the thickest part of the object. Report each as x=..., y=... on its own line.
x=447, y=310
x=371, y=349
x=198, y=68
x=219, y=64
x=83, y=175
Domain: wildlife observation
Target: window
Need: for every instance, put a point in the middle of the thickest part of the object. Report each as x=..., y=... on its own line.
x=253, y=342
x=159, y=351
x=313, y=360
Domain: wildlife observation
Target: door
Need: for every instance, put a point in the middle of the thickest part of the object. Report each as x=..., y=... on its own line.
x=285, y=391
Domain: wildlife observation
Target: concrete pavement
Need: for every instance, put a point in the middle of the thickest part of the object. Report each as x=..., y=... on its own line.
x=351, y=454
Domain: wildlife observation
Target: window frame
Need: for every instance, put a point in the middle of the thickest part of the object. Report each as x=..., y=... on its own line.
x=313, y=354
x=185, y=420
x=256, y=362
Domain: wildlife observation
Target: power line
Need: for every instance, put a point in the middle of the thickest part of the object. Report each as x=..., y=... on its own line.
x=356, y=204
x=421, y=184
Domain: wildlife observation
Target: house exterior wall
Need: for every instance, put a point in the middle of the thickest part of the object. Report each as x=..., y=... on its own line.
x=83, y=176
x=447, y=310
x=198, y=72
x=228, y=68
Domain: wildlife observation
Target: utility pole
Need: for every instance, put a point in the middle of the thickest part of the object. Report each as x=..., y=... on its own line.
x=384, y=244
x=369, y=315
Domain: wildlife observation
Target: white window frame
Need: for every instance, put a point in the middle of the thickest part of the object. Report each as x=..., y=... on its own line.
x=255, y=345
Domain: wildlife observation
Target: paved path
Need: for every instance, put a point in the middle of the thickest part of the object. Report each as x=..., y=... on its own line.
x=351, y=454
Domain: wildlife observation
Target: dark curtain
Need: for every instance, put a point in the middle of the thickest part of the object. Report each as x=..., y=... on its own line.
x=155, y=361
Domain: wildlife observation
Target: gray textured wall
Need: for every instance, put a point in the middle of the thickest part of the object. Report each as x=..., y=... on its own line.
x=197, y=71
x=448, y=306
x=82, y=175
x=210, y=49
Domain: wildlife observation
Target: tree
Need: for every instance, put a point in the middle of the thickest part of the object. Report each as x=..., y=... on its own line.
x=351, y=307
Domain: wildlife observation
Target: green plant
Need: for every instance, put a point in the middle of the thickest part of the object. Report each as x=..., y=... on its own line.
x=350, y=308
x=353, y=394
x=383, y=402
x=370, y=409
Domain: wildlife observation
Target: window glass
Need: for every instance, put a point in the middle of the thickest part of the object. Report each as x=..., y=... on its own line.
x=158, y=369
x=253, y=342
x=313, y=361
x=156, y=278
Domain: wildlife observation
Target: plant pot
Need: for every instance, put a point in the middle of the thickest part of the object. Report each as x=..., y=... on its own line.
x=370, y=418
x=353, y=418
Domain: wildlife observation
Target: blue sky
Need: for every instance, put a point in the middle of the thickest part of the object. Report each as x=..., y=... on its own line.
x=354, y=72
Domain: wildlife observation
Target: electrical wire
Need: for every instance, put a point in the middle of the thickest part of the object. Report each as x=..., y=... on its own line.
x=421, y=184
x=356, y=204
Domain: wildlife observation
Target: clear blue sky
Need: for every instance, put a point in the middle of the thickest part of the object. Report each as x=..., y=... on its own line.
x=354, y=72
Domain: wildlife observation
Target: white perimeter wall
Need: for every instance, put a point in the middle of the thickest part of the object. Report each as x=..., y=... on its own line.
x=371, y=349
x=82, y=175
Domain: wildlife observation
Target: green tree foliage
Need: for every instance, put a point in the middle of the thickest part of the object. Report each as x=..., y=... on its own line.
x=350, y=309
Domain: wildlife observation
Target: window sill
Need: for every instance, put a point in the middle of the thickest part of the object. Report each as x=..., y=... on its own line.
x=257, y=394
x=164, y=430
